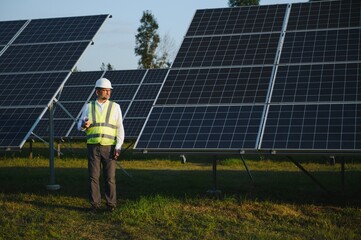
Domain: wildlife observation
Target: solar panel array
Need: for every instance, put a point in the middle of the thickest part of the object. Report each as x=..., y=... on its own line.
x=134, y=90
x=271, y=78
x=36, y=57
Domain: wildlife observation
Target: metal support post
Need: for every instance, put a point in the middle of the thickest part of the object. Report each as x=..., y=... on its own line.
x=215, y=190
x=245, y=165
x=309, y=175
x=343, y=174
x=51, y=185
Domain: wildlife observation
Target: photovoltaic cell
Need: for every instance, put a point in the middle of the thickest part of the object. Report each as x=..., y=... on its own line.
x=73, y=108
x=124, y=92
x=201, y=127
x=318, y=83
x=15, y=125
x=133, y=126
x=139, y=109
x=313, y=127
x=61, y=29
x=237, y=50
x=41, y=57
x=76, y=93
x=322, y=46
x=216, y=86
x=148, y=91
x=155, y=76
x=84, y=78
x=237, y=20
x=325, y=14
x=29, y=89
x=8, y=30
x=61, y=127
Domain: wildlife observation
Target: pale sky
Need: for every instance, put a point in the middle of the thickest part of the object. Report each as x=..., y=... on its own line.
x=115, y=41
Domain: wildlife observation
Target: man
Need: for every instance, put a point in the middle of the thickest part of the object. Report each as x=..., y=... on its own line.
x=103, y=123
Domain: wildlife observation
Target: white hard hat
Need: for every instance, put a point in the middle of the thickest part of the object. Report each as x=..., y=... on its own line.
x=103, y=83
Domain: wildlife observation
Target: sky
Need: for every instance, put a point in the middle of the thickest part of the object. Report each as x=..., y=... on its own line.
x=115, y=41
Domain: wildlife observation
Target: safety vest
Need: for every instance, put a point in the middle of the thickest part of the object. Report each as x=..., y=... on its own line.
x=103, y=129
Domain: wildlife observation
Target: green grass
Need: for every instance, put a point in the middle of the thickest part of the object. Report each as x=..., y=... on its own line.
x=166, y=199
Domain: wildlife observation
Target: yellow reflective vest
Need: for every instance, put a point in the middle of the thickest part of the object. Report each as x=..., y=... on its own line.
x=103, y=129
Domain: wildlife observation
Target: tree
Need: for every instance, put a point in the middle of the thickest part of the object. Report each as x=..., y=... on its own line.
x=107, y=67
x=165, y=52
x=147, y=41
x=238, y=3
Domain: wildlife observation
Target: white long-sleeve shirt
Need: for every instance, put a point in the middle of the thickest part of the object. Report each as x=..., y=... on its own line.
x=117, y=117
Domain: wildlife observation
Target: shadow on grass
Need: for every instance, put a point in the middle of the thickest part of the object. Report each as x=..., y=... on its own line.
x=275, y=186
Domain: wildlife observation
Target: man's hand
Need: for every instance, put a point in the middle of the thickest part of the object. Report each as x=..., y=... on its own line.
x=116, y=154
x=86, y=123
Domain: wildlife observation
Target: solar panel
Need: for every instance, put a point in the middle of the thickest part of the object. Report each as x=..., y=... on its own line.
x=325, y=14
x=224, y=21
x=318, y=83
x=216, y=86
x=224, y=65
x=316, y=96
x=31, y=89
x=34, y=65
x=80, y=79
x=16, y=124
x=67, y=29
x=201, y=127
x=42, y=57
x=234, y=50
x=8, y=30
x=134, y=90
x=278, y=78
x=313, y=127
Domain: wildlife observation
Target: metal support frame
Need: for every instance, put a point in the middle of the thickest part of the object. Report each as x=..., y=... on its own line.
x=309, y=175
x=214, y=190
x=125, y=149
x=51, y=185
x=245, y=165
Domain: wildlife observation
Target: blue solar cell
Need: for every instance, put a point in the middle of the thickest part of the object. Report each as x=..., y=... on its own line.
x=29, y=89
x=318, y=83
x=322, y=46
x=313, y=127
x=133, y=126
x=8, y=30
x=236, y=50
x=41, y=57
x=139, y=109
x=201, y=128
x=61, y=29
x=155, y=76
x=148, y=91
x=217, y=85
x=223, y=21
x=84, y=78
x=325, y=14
x=15, y=125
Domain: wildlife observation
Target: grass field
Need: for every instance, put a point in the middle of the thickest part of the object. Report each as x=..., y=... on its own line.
x=166, y=199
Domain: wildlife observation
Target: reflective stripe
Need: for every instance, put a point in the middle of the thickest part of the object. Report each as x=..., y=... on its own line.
x=100, y=135
x=104, y=125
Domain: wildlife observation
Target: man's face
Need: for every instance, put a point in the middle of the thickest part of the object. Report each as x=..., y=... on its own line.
x=103, y=93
